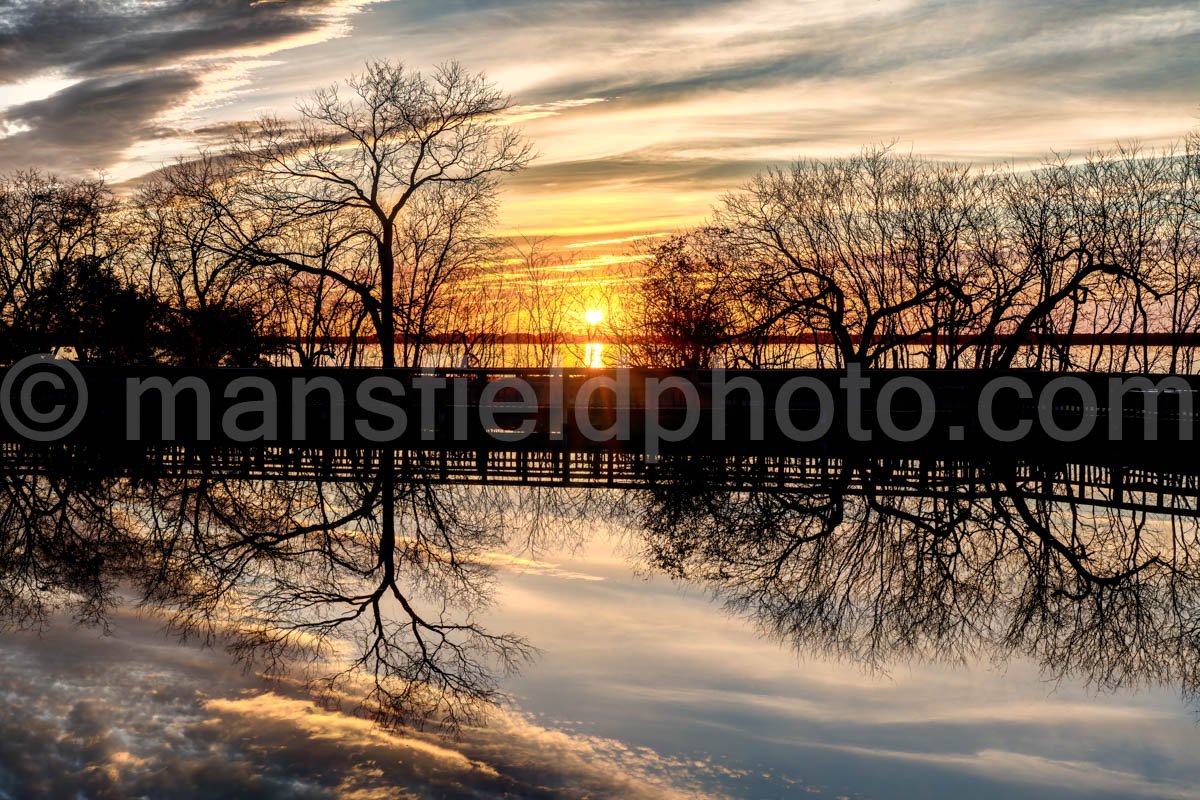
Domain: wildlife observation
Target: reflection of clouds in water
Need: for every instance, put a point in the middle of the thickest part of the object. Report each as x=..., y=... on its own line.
x=137, y=715
x=1078, y=776
x=511, y=563
x=634, y=668
x=654, y=662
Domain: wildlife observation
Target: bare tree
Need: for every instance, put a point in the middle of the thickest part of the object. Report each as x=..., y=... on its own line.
x=864, y=572
x=544, y=304
x=864, y=251
x=408, y=164
x=183, y=256
x=882, y=258
x=684, y=310
x=45, y=223
x=288, y=573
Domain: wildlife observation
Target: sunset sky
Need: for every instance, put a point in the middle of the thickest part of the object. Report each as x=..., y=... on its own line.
x=642, y=113
x=735, y=627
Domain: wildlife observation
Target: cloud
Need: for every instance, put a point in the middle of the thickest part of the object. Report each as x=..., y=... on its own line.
x=644, y=113
x=518, y=564
x=655, y=657
x=126, y=65
x=141, y=716
x=89, y=124
x=697, y=99
x=1075, y=776
x=653, y=168
x=93, y=37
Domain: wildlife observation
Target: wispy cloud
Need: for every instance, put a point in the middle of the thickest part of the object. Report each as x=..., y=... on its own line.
x=91, y=123
x=643, y=113
x=699, y=96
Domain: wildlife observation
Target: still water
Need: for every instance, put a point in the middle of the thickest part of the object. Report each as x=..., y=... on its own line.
x=682, y=641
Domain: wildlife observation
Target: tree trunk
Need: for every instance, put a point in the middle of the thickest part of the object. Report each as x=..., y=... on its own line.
x=387, y=302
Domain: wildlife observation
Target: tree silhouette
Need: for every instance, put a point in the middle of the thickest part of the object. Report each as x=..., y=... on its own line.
x=402, y=175
x=82, y=305
x=685, y=307
x=369, y=589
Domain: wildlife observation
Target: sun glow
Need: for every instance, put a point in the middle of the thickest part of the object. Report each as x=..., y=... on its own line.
x=593, y=355
x=594, y=316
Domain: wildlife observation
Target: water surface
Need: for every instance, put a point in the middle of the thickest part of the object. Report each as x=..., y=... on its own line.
x=685, y=639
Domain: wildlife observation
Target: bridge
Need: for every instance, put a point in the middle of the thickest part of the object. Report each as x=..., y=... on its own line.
x=712, y=430
x=783, y=413
x=1112, y=485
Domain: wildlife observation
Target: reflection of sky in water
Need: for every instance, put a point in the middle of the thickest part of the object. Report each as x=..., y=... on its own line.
x=643, y=689
x=658, y=665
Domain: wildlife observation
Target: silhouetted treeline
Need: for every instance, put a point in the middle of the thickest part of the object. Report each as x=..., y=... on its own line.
x=360, y=233
x=892, y=260
x=72, y=277
x=367, y=219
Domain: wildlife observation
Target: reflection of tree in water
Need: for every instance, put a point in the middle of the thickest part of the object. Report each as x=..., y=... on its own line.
x=62, y=544
x=372, y=588
x=1108, y=596
x=377, y=580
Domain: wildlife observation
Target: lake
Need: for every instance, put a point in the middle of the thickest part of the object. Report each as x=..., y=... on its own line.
x=183, y=627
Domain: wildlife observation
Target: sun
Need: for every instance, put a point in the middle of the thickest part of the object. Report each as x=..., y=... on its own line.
x=593, y=316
